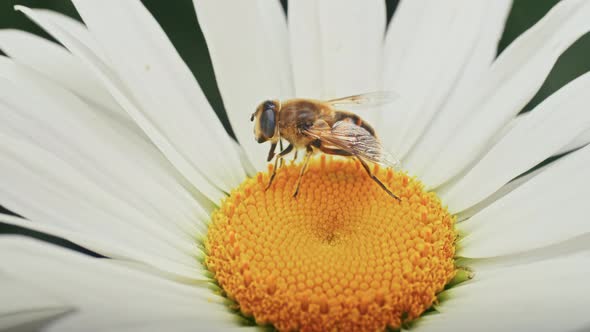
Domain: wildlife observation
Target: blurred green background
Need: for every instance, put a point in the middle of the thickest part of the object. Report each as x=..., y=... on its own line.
x=178, y=19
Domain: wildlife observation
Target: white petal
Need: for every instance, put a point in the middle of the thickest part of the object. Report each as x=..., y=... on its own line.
x=336, y=47
x=248, y=43
x=95, y=161
x=28, y=308
x=56, y=26
x=92, y=139
x=306, y=48
x=178, y=325
x=74, y=27
x=513, y=79
x=578, y=142
x=550, y=126
x=503, y=191
x=31, y=320
x=546, y=296
x=46, y=190
x=56, y=63
x=433, y=48
x=547, y=209
x=158, y=80
x=62, y=67
x=104, y=294
x=499, y=135
x=105, y=244
x=340, y=58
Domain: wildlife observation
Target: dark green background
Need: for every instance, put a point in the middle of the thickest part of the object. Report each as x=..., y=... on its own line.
x=178, y=19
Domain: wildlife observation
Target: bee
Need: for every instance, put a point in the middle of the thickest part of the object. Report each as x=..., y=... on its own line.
x=319, y=125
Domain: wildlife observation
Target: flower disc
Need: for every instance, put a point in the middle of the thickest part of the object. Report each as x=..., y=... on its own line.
x=341, y=255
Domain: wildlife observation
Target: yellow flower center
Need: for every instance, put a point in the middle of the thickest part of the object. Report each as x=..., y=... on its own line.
x=342, y=255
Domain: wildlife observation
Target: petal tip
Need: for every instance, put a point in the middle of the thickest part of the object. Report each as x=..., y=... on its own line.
x=20, y=8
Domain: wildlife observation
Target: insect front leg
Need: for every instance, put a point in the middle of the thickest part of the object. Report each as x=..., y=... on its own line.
x=308, y=154
x=274, y=169
x=271, y=152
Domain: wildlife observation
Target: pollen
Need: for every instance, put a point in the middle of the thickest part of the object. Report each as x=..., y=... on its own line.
x=342, y=255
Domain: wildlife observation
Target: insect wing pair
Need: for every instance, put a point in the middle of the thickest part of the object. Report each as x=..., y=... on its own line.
x=352, y=138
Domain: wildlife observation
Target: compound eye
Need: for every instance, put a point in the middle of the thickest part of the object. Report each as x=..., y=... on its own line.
x=268, y=121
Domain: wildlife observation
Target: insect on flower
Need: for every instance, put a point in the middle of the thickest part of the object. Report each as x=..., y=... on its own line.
x=319, y=125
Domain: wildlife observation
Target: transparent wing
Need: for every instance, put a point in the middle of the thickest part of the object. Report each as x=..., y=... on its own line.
x=365, y=100
x=353, y=139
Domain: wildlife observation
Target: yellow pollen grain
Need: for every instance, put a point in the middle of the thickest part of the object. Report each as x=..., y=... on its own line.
x=342, y=255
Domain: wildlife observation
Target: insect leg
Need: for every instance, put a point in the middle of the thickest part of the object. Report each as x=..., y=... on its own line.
x=274, y=172
x=377, y=179
x=308, y=154
x=279, y=156
x=287, y=150
x=281, y=148
x=271, y=153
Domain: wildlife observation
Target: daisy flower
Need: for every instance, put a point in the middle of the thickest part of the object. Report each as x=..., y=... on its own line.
x=110, y=143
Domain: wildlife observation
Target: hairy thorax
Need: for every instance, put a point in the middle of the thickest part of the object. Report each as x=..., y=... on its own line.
x=296, y=115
